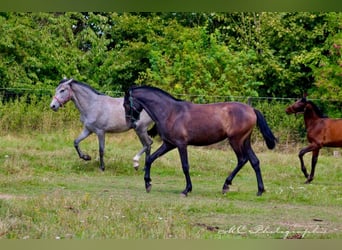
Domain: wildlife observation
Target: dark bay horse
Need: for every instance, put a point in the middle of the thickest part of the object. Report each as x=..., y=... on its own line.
x=321, y=132
x=182, y=123
x=100, y=114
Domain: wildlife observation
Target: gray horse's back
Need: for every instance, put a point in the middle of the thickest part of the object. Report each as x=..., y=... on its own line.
x=109, y=115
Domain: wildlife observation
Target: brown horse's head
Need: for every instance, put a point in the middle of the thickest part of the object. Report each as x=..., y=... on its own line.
x=297, y=107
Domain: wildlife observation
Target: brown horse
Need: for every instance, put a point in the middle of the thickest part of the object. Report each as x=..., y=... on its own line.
x=182, y=123
x=321, y=132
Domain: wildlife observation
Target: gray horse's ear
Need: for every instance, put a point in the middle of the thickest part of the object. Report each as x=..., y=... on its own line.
x=69, y=81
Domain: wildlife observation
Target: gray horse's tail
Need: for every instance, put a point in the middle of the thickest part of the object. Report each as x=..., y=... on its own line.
x=153, y=131
x=265, y=130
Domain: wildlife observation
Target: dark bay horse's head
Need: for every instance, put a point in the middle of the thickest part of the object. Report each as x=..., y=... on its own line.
x=62, y=95
x=297, y=107
x=132, y=108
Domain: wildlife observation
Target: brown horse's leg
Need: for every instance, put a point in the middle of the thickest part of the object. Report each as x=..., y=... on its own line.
x=302, y=165
x=241, y=158
x=313, y=165
x=253, y=159
x=302, y=152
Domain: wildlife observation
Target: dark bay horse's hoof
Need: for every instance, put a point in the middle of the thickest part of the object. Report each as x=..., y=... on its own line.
x=148, y=187
x=259, y=193
x=225, y=189
x=308, y=181
x=183, y=195
x=86, y=157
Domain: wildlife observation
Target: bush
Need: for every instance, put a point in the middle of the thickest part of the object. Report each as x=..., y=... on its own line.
x=29, y=113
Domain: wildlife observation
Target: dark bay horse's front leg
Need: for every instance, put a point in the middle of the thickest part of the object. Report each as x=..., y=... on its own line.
x=85, y=133
x=183, y=153
x=164, y=148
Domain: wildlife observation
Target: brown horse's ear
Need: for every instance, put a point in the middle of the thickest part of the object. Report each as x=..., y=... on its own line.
x=304, y=97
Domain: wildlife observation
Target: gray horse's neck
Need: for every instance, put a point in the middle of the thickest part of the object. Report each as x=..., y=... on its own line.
x=82, y=96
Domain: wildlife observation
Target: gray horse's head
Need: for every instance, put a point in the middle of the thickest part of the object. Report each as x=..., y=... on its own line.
x=63, y=94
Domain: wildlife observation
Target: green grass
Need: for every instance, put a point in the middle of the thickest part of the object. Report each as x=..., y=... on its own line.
x=47, y=192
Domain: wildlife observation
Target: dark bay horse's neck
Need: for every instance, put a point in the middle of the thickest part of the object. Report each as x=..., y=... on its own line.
x=156, y=104
x=82, y=96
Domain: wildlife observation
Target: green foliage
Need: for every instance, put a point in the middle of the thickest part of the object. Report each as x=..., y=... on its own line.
x=205, y=56
x=252, y=54
x=29, y=113
x=196, y=64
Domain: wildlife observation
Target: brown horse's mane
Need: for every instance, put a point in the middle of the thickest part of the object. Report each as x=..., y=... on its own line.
x=317, y=110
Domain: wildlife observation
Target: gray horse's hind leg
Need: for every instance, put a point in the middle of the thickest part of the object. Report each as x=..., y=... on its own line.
x=85, y=133
x=136, y=158
x=146, y=141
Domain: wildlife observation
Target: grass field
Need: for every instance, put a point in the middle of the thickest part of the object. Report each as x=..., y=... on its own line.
x=47, y=192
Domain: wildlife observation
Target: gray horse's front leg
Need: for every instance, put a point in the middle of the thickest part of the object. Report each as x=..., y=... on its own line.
x=85, y=133
x=101, y=137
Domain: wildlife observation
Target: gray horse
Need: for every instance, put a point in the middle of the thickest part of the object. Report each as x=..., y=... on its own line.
x=100, y=114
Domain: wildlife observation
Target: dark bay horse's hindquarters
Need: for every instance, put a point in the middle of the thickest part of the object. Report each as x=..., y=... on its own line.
x=247, y=154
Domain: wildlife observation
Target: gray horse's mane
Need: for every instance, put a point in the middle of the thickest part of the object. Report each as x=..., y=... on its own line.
x=72, y=81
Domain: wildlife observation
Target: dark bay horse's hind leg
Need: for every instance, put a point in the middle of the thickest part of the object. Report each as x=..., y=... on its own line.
x=241, y=158
x=183, y=153
x=85, y=133
x=163, y=149
x=253, y=159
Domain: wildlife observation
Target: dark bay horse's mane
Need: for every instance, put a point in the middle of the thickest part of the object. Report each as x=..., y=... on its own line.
x=317, y=110
x=156, y=90
x=83, y=85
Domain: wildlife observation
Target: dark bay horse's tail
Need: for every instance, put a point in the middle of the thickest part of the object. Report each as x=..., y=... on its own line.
x=153, y=131
x=265, y=130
